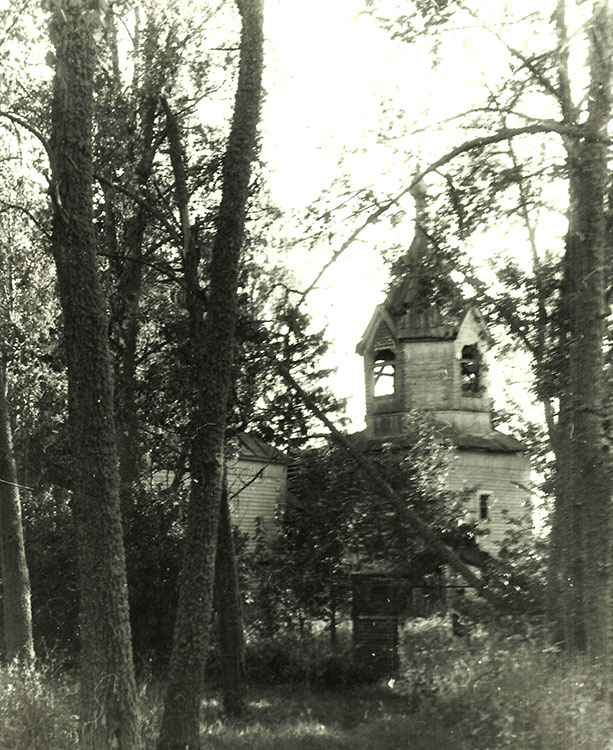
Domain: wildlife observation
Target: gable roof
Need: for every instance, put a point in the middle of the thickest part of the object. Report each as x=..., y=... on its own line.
x=419, y=323
x=253, y=448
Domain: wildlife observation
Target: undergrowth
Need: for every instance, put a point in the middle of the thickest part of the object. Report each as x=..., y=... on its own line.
x=481, y=692
x=37, y=709
x=504, y=692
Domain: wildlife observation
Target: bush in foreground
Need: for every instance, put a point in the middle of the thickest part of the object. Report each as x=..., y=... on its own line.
x=504, y=692
x=472, y=693
x=37, y=710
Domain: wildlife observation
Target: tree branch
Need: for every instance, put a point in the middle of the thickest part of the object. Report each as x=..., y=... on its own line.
x=5, y=207
x=144, y=203
x=546, y=126
x=17, y=120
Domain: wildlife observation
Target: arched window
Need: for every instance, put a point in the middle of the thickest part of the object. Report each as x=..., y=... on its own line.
x=471, y=366
x=384, y=372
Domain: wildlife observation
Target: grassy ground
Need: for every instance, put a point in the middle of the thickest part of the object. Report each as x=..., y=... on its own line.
x=299, y=718
x=38, y=712
x=486, y=693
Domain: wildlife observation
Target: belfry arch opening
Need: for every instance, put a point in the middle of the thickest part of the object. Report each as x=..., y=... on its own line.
x=384, y=373
x=471, y=370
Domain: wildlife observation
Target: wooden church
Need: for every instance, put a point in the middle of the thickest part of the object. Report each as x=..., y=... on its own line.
x=428, y=352
x=425, y=349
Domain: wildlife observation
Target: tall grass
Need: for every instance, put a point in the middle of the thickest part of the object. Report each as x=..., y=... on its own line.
x=503, y=693
x=483, y=693
x=37, y=709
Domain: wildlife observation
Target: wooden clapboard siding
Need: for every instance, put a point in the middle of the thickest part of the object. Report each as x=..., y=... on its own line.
x=257, y=480
x=256, y=488
x=428, y=371
x=504, y=476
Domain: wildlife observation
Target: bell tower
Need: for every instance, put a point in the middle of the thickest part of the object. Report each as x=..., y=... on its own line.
x=426, y=349
x=423, y=351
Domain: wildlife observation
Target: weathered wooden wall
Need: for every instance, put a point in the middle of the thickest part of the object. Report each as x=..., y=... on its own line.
x=257, y=481
x=255, y=487
x=504, y=476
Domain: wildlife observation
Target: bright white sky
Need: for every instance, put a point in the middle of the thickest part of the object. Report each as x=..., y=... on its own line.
x=330, y=72
x=335, y=81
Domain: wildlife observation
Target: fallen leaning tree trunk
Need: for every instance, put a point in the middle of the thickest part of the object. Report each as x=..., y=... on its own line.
x=383, y=492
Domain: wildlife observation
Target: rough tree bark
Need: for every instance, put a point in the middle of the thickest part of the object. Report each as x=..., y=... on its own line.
x=108, y=692
x=211, y=340
x=565, y=575
x=580, y=571
x=591, y=481
x=15, y=576
x=229, y=615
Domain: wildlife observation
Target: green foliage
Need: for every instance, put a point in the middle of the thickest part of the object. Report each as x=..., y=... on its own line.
x=291, y=659
x=334, y=512
x=518, y=574
x=51, y=554
x=301, y=717
x=271, y=329
x=332, y=518
x=453, y=694
x=37, y=709
x=153, y=541
x=431, y=657
x=502, y=692
x=268, y=606
x=421, y=18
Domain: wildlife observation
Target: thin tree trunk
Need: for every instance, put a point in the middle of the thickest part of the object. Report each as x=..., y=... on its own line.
x=127, y=314
x=229, y=617
x=212, y=341
x=15, y=576
x=108, y=692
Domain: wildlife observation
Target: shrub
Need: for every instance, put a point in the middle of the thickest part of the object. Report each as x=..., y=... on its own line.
x=530, y=698
x=288, y=658
x=37, y=710
x=504, y=692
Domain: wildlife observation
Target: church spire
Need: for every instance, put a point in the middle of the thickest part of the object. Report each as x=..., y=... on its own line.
x=405, y=293
x=419, y=245
x=424, y=293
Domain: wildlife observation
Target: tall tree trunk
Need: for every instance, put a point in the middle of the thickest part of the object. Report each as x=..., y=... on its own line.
x=591, y=480
x=580, y=575
x=129, y=289
x=212, y=340
x=229, y=615
x=15, y=576
x=108, y=692
x=565, y=594
x=333, y=625
x=566, y=609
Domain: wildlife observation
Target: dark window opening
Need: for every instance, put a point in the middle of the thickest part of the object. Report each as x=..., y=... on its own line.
x=484, y=507
x=384, y=371
x=380, y=593
x=471, y=366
